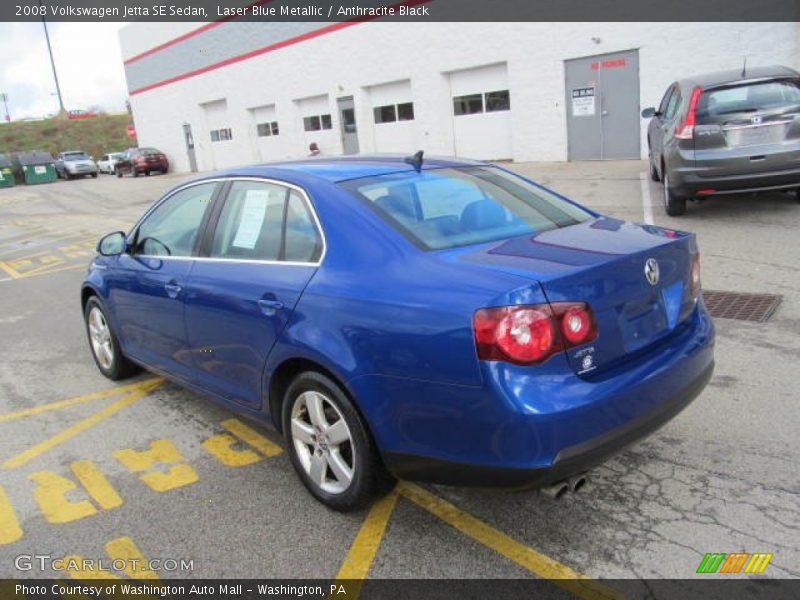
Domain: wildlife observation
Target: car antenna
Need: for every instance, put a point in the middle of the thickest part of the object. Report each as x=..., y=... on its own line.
x=744, y=67
x=415, y=160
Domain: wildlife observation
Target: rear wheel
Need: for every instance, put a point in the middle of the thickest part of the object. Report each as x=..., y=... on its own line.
x=94, y=175
x=329, y=445
x=119, y=172
x=105, y=347
x=134, y=172
x=674, y=205
x=147, y=173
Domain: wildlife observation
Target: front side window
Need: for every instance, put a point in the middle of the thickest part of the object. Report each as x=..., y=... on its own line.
x=445, y=208
x=173, y=227
x=265, y=221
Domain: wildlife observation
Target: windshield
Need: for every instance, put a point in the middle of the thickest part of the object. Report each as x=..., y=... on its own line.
x=76, y=156
x=445, y=208
x=752, y=98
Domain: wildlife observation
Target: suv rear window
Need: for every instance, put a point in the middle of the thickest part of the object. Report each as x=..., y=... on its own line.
x=751, y=98
x=445, y=208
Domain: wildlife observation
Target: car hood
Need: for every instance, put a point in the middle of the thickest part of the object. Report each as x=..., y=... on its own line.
x=79, y=163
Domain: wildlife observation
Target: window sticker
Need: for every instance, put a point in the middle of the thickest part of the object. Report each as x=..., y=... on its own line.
x=253, y=212
x=583, y=102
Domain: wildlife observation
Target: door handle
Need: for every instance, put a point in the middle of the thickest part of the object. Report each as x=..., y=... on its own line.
x=269, y=307
x=173, y=289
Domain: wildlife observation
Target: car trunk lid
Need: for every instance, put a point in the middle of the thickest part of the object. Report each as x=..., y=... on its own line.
x=603, y=262
x=748, y=128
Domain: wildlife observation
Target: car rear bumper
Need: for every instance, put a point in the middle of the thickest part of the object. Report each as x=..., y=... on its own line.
x=530, y=426
x=689, y=181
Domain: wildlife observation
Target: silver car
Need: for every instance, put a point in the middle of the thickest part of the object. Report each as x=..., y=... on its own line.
x=726, y=133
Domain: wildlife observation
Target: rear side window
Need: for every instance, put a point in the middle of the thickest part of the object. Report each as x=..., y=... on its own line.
x=265, y=221
x=445, y=208
x=715, y=105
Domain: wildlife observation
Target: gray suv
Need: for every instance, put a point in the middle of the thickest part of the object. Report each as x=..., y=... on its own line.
x=726, y=133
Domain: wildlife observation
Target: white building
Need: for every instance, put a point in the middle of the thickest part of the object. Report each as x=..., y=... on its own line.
x=242, y=93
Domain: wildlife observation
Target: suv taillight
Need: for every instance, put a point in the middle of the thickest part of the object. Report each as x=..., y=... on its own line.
x=694, y=280
x=685, y=129
x=530, y=334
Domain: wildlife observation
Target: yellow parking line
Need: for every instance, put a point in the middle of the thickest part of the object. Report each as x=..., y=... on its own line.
x=362, y=552
x=77, y=400
x=252, y=437
x=70, y=432
x=538, y=564
x=10, y=530
x=9, y=270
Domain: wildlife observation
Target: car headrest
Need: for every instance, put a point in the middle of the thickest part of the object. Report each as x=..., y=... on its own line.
x=483, y=214
x=400, y=208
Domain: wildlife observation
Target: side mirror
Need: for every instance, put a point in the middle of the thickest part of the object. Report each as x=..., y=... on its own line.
x=649, y=112
x=112, y=244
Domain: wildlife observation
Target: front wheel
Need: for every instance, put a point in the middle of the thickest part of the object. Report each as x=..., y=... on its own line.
x=674, y=205
x=104, y=344
x=329, y=445
x=94, y=175
x=119, y=172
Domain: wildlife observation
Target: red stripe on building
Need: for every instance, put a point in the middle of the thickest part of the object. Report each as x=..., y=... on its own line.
x=253, y=53
x=188, y=35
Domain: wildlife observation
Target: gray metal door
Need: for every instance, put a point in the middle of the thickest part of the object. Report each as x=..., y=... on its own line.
x=602, y=96
x=347, y=117
x=187, y=134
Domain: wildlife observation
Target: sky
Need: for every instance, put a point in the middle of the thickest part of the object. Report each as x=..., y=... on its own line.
x=88, y=62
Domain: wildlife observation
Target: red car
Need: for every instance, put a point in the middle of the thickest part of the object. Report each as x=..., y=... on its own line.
x=80, y=114
x=141, y=160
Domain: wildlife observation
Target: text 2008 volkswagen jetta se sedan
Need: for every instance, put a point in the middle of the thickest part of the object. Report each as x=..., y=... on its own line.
x=438, y=320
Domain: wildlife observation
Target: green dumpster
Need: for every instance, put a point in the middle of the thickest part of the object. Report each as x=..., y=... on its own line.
x=6, y=173
x=35, y=167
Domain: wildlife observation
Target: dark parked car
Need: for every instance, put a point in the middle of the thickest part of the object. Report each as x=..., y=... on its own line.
x=726, y=133
x=443, y=320
x=141, y=160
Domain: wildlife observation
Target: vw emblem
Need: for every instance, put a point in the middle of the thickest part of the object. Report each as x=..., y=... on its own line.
x=757, y=120
x=651, y=271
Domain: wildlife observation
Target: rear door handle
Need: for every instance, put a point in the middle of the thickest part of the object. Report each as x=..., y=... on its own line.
x=269, y=307
x=173, y=289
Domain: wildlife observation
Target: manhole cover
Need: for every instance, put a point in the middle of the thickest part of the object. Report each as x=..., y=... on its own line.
x=744, y=307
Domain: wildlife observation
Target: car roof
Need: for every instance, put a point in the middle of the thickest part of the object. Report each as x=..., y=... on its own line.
x=342, y=168
x=718, y=78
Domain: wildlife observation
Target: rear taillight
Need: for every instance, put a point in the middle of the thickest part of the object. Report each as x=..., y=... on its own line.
x=529, y=334
x=685, y=129
x=695, y=275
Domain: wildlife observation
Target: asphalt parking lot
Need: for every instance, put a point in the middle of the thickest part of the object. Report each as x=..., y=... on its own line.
x=97, y=470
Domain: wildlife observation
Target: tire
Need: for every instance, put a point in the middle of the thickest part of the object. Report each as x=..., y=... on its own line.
x=119, y=172
x=653, y=171
x=147, y=173
x=674, y=205
x=134, y=172
x=104, y=344
x=345, y=452
x=94, y=175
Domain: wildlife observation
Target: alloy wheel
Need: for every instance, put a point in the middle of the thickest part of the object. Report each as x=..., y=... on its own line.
x=100, y=336
x=323, y=442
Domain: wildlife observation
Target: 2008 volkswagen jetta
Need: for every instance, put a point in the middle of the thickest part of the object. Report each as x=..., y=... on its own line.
x=432, y=319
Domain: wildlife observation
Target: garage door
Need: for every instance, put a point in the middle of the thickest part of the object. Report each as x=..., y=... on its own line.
x=266, y=131
x=393, y=117
x=481, y=112
x=219, y=136
x=317, y=125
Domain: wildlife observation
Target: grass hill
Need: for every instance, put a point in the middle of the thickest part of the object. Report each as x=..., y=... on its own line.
x=97, y=136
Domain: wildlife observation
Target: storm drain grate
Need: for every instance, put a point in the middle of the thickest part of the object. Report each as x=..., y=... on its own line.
x=744, y=307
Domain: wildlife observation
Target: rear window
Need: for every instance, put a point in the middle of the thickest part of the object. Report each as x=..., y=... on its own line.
x=149, y=151
x=445, y=208
x=752, y=98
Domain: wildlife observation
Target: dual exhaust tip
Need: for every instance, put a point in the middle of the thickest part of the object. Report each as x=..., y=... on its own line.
x=558, y=489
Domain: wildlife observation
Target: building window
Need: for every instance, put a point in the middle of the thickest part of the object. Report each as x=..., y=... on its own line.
x=394, y=112
x=468, y=105
x=317, y=122
x=497, y=101
x=267, y=129
x=221, y=135
x=405, y=111
x=385, y=114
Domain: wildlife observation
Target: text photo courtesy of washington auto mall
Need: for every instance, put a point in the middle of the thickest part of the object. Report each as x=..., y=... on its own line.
x=399, y=299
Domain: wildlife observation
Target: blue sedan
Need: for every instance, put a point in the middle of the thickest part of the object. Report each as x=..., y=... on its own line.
x=430, y=319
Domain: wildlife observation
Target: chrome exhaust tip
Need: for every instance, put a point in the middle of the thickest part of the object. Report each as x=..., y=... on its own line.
x=555, y=490
x=576, y=482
